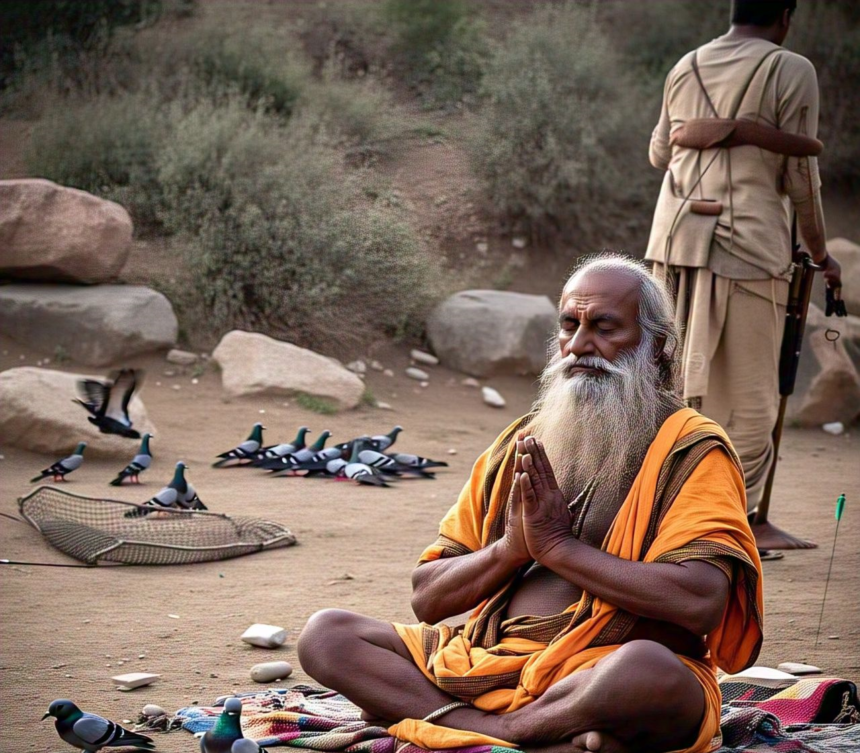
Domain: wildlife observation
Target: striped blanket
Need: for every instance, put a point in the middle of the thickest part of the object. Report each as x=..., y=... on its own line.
x=322, y=720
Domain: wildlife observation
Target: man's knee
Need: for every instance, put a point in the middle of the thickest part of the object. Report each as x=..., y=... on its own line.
x=666, y=677
x=322, y=642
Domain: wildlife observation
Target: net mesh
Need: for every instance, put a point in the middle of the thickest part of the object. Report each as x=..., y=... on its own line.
x=96, y=530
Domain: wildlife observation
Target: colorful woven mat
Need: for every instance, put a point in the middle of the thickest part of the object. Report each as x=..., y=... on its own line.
x=755, y=718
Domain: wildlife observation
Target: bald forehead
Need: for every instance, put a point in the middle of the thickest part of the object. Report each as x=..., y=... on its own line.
x=611, y=287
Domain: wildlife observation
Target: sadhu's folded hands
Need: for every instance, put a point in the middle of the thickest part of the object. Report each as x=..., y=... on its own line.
x=515, y=543
x=547, y=520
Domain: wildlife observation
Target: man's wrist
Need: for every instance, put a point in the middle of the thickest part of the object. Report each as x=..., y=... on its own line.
x=560, y=551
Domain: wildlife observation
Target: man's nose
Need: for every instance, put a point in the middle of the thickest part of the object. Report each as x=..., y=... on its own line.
x=580, y=344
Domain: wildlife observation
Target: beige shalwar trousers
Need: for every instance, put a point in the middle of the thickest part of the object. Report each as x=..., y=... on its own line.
x=732, y=334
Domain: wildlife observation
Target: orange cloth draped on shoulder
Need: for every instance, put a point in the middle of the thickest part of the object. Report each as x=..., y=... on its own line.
x=687, y=502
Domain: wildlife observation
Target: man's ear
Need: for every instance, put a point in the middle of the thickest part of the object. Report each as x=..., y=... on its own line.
x=659, y=345
x=786, y=18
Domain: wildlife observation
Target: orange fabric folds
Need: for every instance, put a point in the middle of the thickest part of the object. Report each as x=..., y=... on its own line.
x=687, y=502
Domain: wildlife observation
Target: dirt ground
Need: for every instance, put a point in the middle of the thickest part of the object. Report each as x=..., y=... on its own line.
x=64, y=630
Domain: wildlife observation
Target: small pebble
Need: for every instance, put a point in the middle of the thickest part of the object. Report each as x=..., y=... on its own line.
x=262, y=410
x=177, y=386
x=832, y=637
x=141, y=656
x=482, y=247
x=426, y=358
x=269, y=671
x=384, y=406
x=376, y=366
x=195, y=381
x=388, y=372
x=452, y=451
x=470, y=382
x=418, y=374
x=836, y=428
x=425, y=384
x=518, y=242
x=173, y=616
x=493, y=398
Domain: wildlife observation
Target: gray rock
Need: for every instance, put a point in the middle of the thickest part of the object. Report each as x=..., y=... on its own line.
x=828, y=384
x=57, y=234
x=96, y=326
x=489, y=332
x=38, y=415
x=265, y=636
x=493, y=397
x=182, y=357
x=419, y=356
x=418, y=374
x=271, y=671
x=254, y=364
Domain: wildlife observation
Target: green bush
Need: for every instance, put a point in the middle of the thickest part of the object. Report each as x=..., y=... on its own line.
x=559, y=126
x=441, y=46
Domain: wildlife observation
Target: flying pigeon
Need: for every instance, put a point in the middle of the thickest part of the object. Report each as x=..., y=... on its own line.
x=91, y=733
x=280, y=450
x=61, y=468
x=107, y=402
x=138, y=464
x=361, y=472
x=227, y=729
x=177, y=495
x=246, y=450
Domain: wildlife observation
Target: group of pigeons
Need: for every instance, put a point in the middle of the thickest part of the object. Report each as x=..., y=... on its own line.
x=367, y=460
x=90, y=732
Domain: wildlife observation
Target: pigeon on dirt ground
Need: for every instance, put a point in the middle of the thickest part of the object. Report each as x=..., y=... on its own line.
x=62, y=468
x=264, y=455
x=138, y=464
x=91, y=733
x=246, y=451
x=107, y=402
x=177, y=495
x=227, y=729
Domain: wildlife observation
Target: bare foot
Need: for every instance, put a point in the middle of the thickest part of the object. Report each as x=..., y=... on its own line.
x=588, y=742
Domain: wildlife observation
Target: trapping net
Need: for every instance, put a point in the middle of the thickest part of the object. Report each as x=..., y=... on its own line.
x=97, y=530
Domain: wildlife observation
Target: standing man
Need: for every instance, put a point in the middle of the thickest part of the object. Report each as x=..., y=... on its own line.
x=736, y=138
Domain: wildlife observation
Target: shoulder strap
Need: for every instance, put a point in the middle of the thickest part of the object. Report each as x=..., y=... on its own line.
x=746, y=86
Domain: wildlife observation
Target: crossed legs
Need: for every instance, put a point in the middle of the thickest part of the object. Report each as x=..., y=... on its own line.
x=639, y=697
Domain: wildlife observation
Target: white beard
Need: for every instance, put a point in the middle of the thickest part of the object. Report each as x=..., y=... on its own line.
x=599, y=426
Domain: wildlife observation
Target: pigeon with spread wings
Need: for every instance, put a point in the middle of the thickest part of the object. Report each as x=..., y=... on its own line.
x=107, y=402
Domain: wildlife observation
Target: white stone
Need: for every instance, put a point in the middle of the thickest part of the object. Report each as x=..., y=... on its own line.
x=265, y=636
x=488, y=332
x=38, y=414
x=452, y=451
x=254, y=364
x=152, y=709
x=376, y=366
x=52, y=233
x=387, y=372
x=97, y=326
x=493, y=397
x=426, y=358
x=383, y=406
x=836, y=428
x=271, y=671
x=470, y=382
x=357, y=367
x=134, y=680
x=482, y=247
x=418, y=374
x=797, y=668
x=182, y=357
x=518, y=242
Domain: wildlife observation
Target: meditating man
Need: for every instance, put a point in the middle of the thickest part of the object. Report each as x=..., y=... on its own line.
x=602, y=547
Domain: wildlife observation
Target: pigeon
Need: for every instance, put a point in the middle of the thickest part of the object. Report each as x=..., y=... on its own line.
x=416, y=461
x=138, y=464
x=107, y=402
x=246, y=450
x=246, y=745
x=177, y=495
x=91, y=733
x=361, y=472
x=379, y=442
x=227, y=729
x=61, y=468
x=280, y=450
x=312, y=455
x=390, y=465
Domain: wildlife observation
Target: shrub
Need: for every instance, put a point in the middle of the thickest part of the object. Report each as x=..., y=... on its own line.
x=560, y=123
x=441, y=46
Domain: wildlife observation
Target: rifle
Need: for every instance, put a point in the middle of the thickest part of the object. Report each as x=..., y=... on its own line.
x=767, y=535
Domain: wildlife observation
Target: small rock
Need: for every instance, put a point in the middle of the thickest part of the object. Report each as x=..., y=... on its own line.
x=271, y=671
x=493, y=398
x=262, y=410
x=58, y=666
x=169, y=372
x=134, y=680
x=177, y=386
x=482, y=247
x=173, y=616
x=182, y=357
x=413, y=373
x=152, y=709
x=383, y=406
x=796, y=668
x=426, y=358
x=213, y=675
x=376, y=366
x=388, y=372
x=195, y=381
x=357, y=367
x=265, y=636
x=470, y=382
x=452, y=451
x=832, y=637
x=836, y=428
x=518, y=242
x=141, y=656
x=425, y=384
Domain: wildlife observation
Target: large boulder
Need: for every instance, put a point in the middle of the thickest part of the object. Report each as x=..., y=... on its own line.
x=828, y=384
x=254, y=364
x=39, y=415
x=489, y=332
x=96, y=326
x=58, y=234
x=848, y=256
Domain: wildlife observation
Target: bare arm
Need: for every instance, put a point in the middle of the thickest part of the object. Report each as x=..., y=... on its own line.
x=692, y=595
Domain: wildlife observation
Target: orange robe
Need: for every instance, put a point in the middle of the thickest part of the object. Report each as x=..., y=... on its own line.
x=687, y=502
